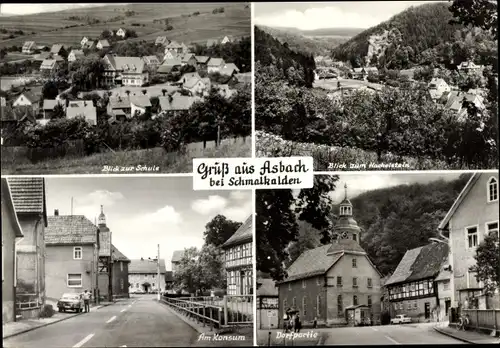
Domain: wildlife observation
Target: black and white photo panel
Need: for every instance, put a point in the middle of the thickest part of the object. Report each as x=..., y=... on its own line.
x=378, y=85
x=379, y=259
x=123, y=88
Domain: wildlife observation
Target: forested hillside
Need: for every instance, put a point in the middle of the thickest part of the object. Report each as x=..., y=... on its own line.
x=297, y=41
x=393, y=220
x=294, y=66
x=418, y=35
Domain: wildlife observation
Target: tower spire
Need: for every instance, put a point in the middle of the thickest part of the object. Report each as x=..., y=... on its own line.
x=345, y=188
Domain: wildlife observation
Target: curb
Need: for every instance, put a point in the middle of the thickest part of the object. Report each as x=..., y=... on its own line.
x=187, y=321
x=453, y=336
x=52, y=322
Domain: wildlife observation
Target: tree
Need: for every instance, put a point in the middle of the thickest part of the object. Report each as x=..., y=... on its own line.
x=487, y=263
x=163, y=91
x=211, y=264
x=478, y=13
x=144, y=91
x=186, y=276
x=276, y=221
x=50, y=90
x=219, y=230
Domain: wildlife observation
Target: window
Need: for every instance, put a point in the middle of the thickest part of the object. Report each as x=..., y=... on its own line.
x=340, y=305
x=401, y=306
x=492, y=189
x=446, y=285
x=339, y=282
x=318, y=281
x=303, y=283
x=294, y=302
x=77, y=253
x=289, y=286
x=318, y=305
x=471, y=237
x=122, y=283
x=304, y=306
x=354, y=263
x=121, y=266
x=74, y=280
x=355, y=237
x=492, y=228
x=369, y=283
x=284, y=305
x=369, y=301
x=355, y=300
x=415, y=304
x=395, y=306
x=409, y=305
x=354, y=282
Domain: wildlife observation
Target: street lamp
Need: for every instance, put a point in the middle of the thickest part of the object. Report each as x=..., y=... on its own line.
x=158, y=283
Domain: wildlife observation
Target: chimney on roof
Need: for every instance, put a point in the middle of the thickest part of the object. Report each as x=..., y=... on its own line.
x=56, y=212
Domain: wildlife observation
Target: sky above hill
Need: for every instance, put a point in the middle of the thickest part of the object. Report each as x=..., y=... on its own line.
x=24, y=9
x=142, y=212
x=311, y=16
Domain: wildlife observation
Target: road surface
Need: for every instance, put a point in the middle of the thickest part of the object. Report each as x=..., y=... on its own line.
x=388, y=335
x=136, y=322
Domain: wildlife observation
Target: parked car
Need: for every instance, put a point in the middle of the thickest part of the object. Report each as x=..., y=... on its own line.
x=71, y=302
x=401, y=319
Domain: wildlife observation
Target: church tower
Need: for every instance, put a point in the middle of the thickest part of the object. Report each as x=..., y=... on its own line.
x=346, y=227
x=101, y=220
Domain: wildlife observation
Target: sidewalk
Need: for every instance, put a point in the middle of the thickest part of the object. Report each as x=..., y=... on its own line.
x=471, y=337
x=19, y=327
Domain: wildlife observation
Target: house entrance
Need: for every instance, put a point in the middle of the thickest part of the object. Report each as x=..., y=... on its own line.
x=427, y=310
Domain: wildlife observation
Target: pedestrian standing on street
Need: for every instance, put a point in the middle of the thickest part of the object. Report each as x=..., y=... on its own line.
x=297, y=323
x=286, y=319
x=86, y=300
x=315, y=323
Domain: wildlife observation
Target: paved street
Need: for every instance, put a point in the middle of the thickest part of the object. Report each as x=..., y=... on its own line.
x=388, y=334
x=136, y=322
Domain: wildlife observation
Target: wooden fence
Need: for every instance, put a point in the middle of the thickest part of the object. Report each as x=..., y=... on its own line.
x=483, y=319
x=216, y=312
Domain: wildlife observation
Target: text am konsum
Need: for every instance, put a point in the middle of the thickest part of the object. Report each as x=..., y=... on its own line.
x=222, y=168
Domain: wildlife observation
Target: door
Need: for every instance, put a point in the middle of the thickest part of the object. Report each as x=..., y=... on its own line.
x=427, y=310
x=447, y=305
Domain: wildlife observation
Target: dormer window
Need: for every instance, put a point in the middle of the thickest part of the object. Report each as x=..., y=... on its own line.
x=492, y=189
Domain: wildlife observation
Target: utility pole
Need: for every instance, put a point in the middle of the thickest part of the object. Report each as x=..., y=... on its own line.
x=158, y=270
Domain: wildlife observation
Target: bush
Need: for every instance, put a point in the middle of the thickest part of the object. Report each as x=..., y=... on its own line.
x=47, y=311
x=385, y=318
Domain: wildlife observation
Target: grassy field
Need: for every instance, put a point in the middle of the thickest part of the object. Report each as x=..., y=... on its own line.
x=94, y=164
x=50, y=28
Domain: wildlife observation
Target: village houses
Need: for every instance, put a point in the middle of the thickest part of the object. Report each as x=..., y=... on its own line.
x=238, y=260
x=74, y=55
x=28, y=195
x=176, y=260
x=412, y=287
x=161, y=41
x=72, y=254
x=119, y=273
x=84, y=41
x=28, y=99
x=267, y=304
x=11, y=235
x=103, y=44
x=336, y=283
x=49, y=109
x=82, y=108
x=140, y=105
x=227, y=39
x=119, y=108
x=202, y=62
x=151, y=61
x=188, y=59
x=469, y=67
x=58, y=50
x=143, y=275
x=473, y=215
x=176, y=103
x=437, y=87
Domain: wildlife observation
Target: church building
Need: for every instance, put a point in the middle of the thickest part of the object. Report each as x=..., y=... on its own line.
x=335, y=283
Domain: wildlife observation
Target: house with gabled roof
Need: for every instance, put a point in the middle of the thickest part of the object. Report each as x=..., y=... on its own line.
x=72, y=251
x=143, y=275
x=215, y=65
x=169, y=65
x=412, y=287
x=176, y=103
x=11, y=235
x=140, y=104
x=227, y=39
x=103, y=44
x=121, y=32
x=119, y=108
x=188, y=59
x=468, y=66
x=84, y=41
x=174, y=46
x=58, y=49
x=267, y=303
x=202, y=61
x=161, y=41
x=28, y=99
x=336, y=283
x=454, y=101
x=125, y=71
x=119, y=274
x=437, y=87
x=29, y=47
x=472, y=216
x=151, y=61
x=170, y=54
x=28, y=196
x=48, y=66
x=238, y=260
x=75, y=55
x=49, y=108
x=229, y=69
